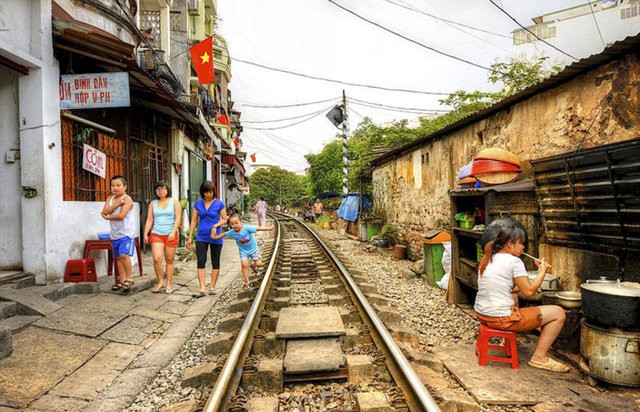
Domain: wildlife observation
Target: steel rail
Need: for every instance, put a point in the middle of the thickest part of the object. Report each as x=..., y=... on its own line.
x=421, y=397
x=219, y=391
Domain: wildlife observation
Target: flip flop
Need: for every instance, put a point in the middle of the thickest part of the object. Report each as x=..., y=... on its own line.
x=198, y=295
x=157, y=289
x=168, y=291
x=552, y=366
x=212, y=292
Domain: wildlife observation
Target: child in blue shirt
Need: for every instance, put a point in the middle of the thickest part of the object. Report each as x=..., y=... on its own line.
x=247, y=245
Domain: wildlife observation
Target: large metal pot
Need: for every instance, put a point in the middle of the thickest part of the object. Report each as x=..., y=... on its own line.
x=611, y=304
x=611, y=356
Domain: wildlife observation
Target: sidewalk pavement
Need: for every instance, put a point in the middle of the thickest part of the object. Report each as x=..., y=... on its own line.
x=85, y=346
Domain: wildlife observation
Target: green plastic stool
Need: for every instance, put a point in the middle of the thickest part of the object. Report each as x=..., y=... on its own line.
x=433, y=262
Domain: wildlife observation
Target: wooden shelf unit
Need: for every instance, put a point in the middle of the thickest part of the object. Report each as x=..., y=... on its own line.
x=518, y=200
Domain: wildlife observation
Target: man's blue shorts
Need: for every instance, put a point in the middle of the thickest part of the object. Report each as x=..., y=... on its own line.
x=123, y=246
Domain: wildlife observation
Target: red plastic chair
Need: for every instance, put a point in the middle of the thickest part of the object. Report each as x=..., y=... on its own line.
x=510, y=347
x=105, y=244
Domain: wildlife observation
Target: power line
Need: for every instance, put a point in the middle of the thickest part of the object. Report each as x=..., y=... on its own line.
x=315, y=114
x=280, y=106
x=397, y=110
x=277, y=120
x=532, y=33
x=413, y=41
x=597, y=25
x=396, y=107
x=308, y=76
x=408, y=6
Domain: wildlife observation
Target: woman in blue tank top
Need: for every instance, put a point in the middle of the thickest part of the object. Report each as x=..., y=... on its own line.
x=163, y=220
x=209, y=214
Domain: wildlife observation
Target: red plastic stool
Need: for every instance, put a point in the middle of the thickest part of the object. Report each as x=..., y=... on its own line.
x=80, y=270
x=510, y=347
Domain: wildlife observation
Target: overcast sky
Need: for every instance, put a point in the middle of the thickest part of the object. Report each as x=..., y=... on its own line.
x=317, y=38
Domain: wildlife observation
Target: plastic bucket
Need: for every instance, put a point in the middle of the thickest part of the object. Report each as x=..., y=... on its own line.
x=372, y=230
x=466, y=224
x=433, y=262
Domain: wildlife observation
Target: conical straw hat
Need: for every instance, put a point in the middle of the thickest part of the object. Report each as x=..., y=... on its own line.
x=496, y=153
x=498, y=178
x=467, y=180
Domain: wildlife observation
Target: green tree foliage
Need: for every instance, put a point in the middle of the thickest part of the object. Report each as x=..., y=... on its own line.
x=277, y=186
x=325, y=169
x=325, y=174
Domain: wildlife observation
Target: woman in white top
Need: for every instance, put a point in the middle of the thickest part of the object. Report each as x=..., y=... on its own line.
x=163, y=220
x=501, y=274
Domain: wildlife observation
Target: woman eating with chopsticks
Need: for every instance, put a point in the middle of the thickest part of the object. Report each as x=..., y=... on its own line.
x=500, y=274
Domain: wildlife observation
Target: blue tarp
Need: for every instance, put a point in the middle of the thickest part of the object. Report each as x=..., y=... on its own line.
x=349, y=207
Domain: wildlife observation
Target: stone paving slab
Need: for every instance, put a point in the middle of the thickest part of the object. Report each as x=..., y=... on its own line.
x=132, y=330
x=313, y=355
x=498, y=384
x=176, y=308
x=34, y=302
x=40, y=359
x=309, y=322
x=18, y=322
x=154, y=314
x=82, y=320
x=123, y=391
x=98, y=373
x=50, y=403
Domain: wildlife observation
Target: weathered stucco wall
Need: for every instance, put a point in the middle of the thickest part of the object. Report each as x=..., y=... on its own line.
x=591, y=110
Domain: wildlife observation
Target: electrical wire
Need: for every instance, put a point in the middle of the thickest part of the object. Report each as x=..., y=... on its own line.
x=280, y=106
x=353, y=99
x=451, y=56
x=277, y=120
x=408, y=6
x=597, y=25
x=400, y=110
x=308, y=76
x=313, y=115
x=529, y=31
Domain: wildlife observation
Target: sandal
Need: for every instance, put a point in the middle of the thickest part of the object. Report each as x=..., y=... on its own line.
x=212, y=292
x=126, y=285
x=117, y=286
x=157, y=289
x=168, y=290
x=552, y=366
x=198, y=295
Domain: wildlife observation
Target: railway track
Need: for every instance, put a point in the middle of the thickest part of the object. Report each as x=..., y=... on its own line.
x=307, y=321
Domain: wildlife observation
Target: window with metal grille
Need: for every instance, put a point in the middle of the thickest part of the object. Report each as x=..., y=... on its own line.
x=150, y=26
x=79, y=184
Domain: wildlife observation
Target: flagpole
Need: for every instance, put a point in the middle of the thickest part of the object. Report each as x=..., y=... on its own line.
x=345, y=133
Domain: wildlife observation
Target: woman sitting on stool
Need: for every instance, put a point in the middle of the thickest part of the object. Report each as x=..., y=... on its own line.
x=502, y=273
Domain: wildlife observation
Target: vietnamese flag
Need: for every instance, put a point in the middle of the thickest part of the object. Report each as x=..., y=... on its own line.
x=202, y=59
x=223, y=119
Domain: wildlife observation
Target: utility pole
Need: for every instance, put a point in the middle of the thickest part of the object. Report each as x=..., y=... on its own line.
x=345, y=132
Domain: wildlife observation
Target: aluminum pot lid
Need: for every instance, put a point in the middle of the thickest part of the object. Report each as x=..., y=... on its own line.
x=630, y=289
x=602, y=279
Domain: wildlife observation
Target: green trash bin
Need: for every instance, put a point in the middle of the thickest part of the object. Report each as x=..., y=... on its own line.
x=372, y=230
x=433, y=262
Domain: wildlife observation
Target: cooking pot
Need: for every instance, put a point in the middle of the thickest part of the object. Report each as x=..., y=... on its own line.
x=569, y=299
x=550, y=281
x=612, y=304
x=610, y=355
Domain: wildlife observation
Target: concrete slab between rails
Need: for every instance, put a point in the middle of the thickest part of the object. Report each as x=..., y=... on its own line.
x=305, y=322
x=313, y=355
x=497, y=383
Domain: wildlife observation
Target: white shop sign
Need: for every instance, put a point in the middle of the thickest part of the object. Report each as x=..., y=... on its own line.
x=94, y=161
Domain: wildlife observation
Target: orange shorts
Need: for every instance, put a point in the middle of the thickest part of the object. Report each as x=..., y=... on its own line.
x=520, y=319
x=164, y=239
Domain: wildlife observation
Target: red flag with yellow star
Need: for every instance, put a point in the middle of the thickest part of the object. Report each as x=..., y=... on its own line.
x=202, y=59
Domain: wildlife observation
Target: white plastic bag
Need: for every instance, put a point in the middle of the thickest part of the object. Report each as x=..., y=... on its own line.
x=446, y=265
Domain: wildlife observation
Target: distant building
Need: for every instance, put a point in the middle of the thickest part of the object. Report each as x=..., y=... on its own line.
x=581, y=30
x=255, y=167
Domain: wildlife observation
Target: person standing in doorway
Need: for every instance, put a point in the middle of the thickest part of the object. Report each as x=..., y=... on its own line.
x=317, y=208
x=209, y=214
x=163, y=220
x=261, y=211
